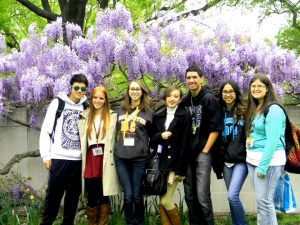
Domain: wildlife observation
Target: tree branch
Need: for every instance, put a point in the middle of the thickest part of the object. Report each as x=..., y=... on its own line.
x=21, y=123
x=40, y=12
x=16, y=159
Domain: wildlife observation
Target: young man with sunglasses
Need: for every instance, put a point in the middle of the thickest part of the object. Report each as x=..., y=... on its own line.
x=61, y=152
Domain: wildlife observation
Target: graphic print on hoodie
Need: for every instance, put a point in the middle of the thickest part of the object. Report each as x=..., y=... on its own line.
x=70, y=134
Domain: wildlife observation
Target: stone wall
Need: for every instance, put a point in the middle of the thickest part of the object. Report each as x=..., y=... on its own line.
x=15, y=139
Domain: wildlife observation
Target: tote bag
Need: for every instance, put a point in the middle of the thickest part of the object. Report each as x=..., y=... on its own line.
x=284, y=197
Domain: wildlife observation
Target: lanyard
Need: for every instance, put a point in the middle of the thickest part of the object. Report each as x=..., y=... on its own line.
x=97, y=132
x=132, y=117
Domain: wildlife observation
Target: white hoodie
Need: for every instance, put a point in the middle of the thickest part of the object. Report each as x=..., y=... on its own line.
x=66, y=136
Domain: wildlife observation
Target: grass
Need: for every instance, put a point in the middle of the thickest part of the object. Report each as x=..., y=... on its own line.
x=220, y=219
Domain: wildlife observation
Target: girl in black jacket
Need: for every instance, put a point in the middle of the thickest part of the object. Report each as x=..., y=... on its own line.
x=233, y=148
x=171, y=130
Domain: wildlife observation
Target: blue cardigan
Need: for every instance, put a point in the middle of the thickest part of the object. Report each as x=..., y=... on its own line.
x=268, y=134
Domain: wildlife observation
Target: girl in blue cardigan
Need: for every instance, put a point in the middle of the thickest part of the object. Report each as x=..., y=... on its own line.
x=265, y=145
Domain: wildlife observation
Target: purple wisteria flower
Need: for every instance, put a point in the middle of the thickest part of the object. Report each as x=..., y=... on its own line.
x=44, y=64
x=54, y=30
x=73, y=30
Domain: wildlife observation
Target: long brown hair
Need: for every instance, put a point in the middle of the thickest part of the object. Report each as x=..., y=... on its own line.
x=105, y=112
x=270, y=96
x=145, y=101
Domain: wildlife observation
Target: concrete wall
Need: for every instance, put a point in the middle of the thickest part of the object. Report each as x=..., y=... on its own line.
x=15, y=139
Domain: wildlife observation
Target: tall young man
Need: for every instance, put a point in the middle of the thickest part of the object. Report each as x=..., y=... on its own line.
x=206, y=125
x=61, y=153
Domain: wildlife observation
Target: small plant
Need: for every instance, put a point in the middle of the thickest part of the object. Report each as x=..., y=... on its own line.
x=20, y=203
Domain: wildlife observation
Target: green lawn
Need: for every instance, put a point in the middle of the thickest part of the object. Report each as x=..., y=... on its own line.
x=283, y=219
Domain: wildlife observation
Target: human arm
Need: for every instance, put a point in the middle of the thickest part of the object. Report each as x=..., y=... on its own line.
x=274, y=124
x=46, y=130
x=210, y=141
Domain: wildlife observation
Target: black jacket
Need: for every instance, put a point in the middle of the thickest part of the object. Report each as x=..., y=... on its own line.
x=175, y=150
x=207, y=116
x=233, y=145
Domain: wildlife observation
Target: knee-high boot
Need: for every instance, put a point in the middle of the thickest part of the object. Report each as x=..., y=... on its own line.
x=92, y=215
x=164, y=218
x=104, y=210
x=174, y=216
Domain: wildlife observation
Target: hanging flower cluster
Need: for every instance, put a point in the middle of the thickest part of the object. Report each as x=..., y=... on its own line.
x=44, y=64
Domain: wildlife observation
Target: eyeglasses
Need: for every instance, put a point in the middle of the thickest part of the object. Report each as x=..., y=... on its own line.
x=259, y=86
x=77, y=88
x=231, y=92
x=134, y=89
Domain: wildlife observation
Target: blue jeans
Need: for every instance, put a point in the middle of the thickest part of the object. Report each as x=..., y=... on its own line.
x=131, y=175
x=197, y=191
x=234, y=179
x=264, y=189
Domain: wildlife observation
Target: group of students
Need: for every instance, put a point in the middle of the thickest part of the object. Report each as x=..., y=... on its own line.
x=98, y=152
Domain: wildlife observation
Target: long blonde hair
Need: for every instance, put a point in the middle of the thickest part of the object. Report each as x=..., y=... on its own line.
x=105, y=112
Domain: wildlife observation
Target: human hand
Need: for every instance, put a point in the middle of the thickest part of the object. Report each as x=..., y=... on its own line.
x=179, y=178
x=47, y=164
x=166, y=135
x=171, y=177
x=259, y=175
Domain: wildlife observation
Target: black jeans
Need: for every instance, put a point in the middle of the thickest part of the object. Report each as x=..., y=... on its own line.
x=64, y=178
x=94, y=190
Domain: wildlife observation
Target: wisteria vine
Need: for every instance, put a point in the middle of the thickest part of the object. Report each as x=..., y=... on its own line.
x=44, y=64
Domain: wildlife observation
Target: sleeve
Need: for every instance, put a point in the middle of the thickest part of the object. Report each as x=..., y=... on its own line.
x=46, y=130
x=155, y=134
x=274, y=122
x=184, y=151
x=213, y=113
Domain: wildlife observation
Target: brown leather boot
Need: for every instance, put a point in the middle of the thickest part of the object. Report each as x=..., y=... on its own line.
x=164, y=216
x=104, y=210
x=92, y=215
x=174, y=216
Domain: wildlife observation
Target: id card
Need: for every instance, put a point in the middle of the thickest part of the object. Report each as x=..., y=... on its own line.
x=97, y=151
x=159, y=149
x=249, y=142
x=129, y=141
x=194, y=128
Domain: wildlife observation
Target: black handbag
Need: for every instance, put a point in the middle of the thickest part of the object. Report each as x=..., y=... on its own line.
x=155, y=181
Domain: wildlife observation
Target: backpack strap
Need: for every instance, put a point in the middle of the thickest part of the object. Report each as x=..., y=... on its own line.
x=266, y=111
x=85, y=104
x=60, y=108
x=287, y=120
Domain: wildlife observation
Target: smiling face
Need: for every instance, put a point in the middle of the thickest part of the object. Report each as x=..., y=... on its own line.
x=173, y=99
x=228, y=95
x=98, y=100
x=194, y=81
x=78, y=91
x=135, y=92
x=258, y=90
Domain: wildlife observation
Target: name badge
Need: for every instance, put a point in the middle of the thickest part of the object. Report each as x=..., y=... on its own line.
x=159, y=149
x=129, y=141
x=249, y=142
x=97, y=151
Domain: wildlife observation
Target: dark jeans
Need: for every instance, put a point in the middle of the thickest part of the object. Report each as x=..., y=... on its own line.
x=94, y=190
x=197, y=191
x=64, y=178
x=131, y=174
